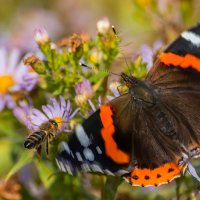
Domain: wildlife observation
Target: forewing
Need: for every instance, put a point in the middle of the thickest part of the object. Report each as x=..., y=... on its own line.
x=178, y=65
x=95, y=145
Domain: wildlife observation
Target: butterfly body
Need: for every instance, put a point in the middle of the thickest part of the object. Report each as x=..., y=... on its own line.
x=147, y=134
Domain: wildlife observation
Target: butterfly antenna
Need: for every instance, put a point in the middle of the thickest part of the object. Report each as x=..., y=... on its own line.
x=116, y=35
x=92, y=68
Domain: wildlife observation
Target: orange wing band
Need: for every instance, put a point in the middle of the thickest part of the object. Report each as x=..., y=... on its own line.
x=181, y=61
x=155, y=177
x=107, y=133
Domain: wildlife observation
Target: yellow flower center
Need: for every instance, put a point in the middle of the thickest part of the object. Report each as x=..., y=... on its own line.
x=59, y=121
x=6, y=81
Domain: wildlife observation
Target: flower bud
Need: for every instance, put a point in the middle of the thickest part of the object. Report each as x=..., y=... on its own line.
x=103, y=25
x=41, y=36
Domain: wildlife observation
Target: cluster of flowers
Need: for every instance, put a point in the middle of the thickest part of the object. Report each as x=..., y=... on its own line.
x=18, y=80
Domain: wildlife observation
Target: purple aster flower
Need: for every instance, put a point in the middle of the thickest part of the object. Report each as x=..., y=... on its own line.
x=15, y=77
x=84, y=91
x=22, y=112
x=92, y=108
x=114, y=89
x=147, y=53
x=60, y=111
x=192, y=171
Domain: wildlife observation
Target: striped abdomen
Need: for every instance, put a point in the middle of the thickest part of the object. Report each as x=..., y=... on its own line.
x=34, y=140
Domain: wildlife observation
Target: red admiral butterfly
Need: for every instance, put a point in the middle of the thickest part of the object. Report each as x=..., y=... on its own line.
x=148, y=134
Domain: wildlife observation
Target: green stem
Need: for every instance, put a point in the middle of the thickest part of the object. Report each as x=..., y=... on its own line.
x=110, y=188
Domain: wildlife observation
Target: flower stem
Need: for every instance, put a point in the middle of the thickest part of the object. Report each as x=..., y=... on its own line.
x=110, y=188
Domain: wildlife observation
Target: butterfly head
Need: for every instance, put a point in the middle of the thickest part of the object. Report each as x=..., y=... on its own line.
x=139, y=89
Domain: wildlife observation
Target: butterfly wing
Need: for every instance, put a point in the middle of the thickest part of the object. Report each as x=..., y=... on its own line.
x=176, y=78
x=93, y=146
x=124, y=139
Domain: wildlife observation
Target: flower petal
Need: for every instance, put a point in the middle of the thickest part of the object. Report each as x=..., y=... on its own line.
x=39, y=114
x=13, y=60
x=47, y=112
x=192, y=171
x=3, y=63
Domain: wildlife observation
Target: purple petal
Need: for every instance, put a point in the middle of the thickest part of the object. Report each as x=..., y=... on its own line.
x=36, y=121
x=56, y=107
x=3, y=63
x=62, y=102
x=51, y=109
x=74, y=113
x=99, y=101
x=147, y=55
x=39, y=114
x=110, y=97
x=91, y=105
x=13, y=60
x=68, y=105
x=47, y=112
x=192, y=171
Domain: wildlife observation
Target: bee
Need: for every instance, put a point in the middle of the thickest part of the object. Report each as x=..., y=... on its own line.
x=46, y=133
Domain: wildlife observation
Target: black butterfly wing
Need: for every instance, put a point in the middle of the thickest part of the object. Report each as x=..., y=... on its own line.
x=184, y=105
x=94, y=146
x=180, y=62
x=176, y=78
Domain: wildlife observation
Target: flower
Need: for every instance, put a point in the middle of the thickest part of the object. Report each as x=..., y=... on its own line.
x=147, y=53
x=92, y=108
x=10, y=189
x=59, y=111
x=15, y=77
x=22, y=112
x=84, y=91
x=72, y=43
x=114, y=89
x=103, y=25
x=41, y=36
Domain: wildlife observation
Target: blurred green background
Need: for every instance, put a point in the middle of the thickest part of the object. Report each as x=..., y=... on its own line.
x=138, y=22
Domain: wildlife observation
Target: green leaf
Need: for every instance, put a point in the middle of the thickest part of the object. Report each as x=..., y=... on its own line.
x=110, y=188
x=24, y=159
x=45, y=172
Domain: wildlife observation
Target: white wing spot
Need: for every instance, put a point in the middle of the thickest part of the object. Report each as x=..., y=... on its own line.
x=108, y=172
x=98, y=150
x=85, y=167
x=82, y=136
x=96, y=168
x=68, y=169
x=62, y=166
x=121, y=172
x=63, y=146
x=88, y=154
x=191, y=37
x=78, y=155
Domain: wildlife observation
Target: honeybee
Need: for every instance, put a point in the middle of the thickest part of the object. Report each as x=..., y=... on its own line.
x=46, y=133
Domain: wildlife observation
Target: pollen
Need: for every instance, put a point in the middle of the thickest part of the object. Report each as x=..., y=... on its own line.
x=59, y=121
x=7, y=81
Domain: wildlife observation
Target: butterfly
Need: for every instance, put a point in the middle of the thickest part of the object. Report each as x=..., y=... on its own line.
x=148, y=134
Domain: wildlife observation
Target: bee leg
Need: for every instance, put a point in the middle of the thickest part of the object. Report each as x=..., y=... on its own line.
x=39, y=151
x=47, y=146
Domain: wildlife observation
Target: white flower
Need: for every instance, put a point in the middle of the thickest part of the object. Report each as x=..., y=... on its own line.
x=103, y=25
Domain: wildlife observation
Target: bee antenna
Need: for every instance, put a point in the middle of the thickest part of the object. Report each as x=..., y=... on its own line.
x=92, y=68
x=116, y=35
